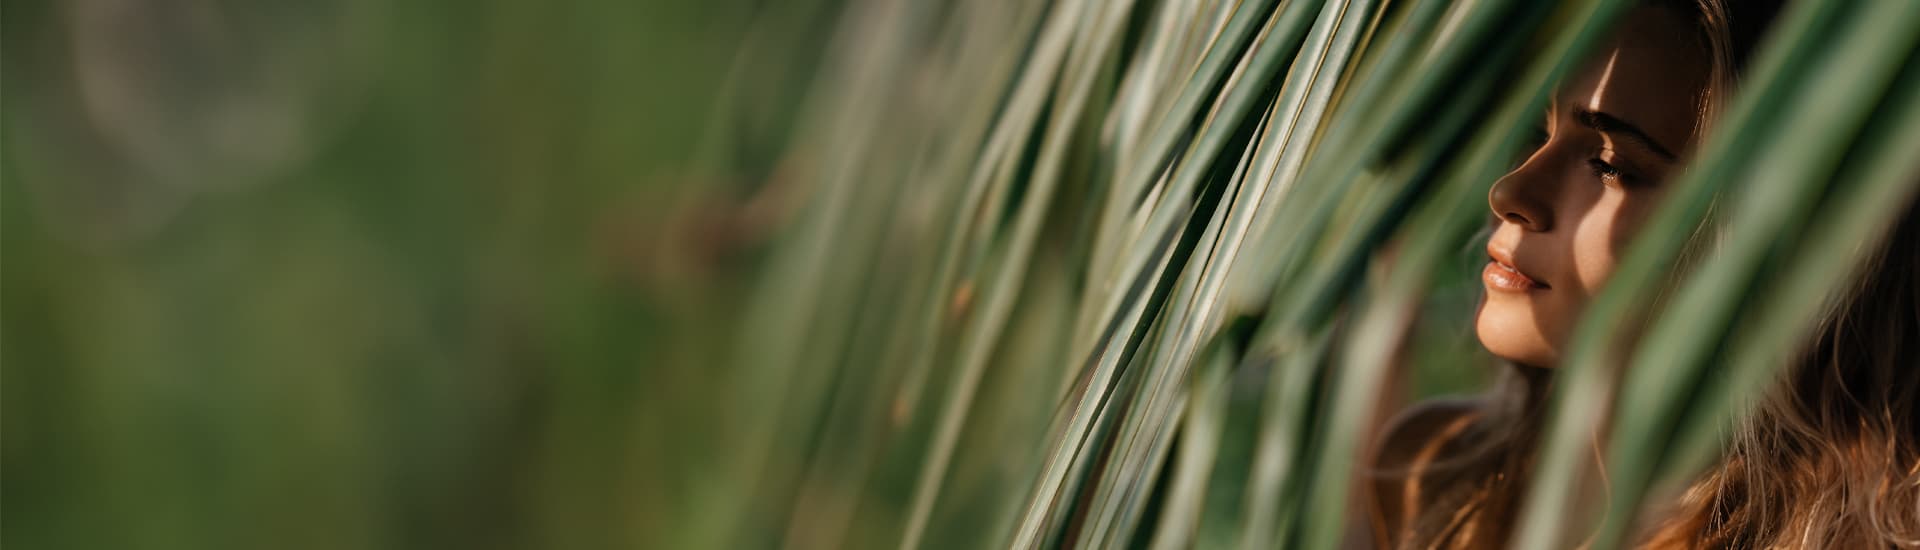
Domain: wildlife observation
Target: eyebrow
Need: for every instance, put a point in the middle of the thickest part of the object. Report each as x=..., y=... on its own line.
x=1610, y=124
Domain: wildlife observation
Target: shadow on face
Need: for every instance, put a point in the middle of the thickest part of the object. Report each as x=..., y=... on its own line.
x=1613, y=134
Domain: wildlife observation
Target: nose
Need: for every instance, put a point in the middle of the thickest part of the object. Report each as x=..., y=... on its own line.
x=1521, y=198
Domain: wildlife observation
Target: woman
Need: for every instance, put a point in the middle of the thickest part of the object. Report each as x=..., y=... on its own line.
x=1830, y=461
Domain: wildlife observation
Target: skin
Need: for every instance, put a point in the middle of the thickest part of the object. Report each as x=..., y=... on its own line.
x=1567, y=213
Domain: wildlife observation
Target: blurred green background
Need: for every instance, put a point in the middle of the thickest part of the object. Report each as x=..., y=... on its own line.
x=364, y=274
x=368, y=274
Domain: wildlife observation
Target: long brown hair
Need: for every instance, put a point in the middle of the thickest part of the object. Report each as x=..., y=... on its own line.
x=1828, y=460
x=1831, y=458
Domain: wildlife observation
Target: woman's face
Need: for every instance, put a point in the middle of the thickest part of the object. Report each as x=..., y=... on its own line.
x=1613, y=134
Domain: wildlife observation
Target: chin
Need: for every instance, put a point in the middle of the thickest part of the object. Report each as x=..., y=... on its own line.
x=1514, y=336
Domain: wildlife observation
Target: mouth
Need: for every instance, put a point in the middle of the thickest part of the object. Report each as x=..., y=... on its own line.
x=1501, y=275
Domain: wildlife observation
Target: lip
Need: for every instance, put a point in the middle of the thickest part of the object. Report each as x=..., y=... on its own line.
x=1500, y=274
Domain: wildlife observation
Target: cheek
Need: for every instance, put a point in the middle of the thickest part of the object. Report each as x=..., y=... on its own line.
x=1599, y=237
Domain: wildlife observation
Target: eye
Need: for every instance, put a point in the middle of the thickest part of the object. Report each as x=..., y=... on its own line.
x=1607, y=172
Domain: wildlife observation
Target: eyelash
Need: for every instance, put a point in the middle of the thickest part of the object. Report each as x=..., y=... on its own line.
x=1607, y=172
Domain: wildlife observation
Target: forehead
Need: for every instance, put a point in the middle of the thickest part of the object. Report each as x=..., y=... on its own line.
x=1650, y=72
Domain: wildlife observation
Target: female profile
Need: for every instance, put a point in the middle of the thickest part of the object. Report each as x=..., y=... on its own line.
x=1831, y=459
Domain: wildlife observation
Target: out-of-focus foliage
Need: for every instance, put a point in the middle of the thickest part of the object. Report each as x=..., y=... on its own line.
x=1196, y=237
x=894, y=273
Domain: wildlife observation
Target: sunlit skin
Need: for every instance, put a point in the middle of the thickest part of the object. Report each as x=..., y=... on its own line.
x=1615, y=132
